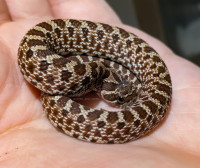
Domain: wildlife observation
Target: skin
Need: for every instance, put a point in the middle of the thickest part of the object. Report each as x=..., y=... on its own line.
x=28, y=139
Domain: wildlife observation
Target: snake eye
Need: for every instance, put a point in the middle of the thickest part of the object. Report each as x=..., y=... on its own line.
x=120, y=99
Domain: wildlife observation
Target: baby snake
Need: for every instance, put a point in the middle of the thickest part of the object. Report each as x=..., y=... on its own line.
x=46, y=59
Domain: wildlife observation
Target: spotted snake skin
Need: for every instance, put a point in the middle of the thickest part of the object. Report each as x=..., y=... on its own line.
x=44, y=58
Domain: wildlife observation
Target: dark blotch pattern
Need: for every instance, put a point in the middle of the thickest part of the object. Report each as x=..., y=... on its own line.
x=167, y=78
x=128, y=117
x=36, y=32
x=98, y=47
x=127, y=130
x=138, y=58
x=130, y=53
x=64, y=112
x=60, y=62
x=44, y=65
x=62, y=101
x=52, y=103
x=164, y=88
x=69, y=121
x=24, y=40
x=50, y=79
x=155, y=121
x=138, y=41
x=71, y=31
x=151, y=106
x=106, y=74
x=97, y=133
x=143, y=127
x=49, y=36
x=146, y=57
x=100, y=34
x=138, y=50
x=120, y=125
x=156, y=59
x=66, y=75
x=91, y=25
x=141, y=111
x=46, y=26
x=116, y=77
x=81, y=119
x=94, y=71
x=112, y=117
x=101, y=124
x=137, y=123
x=123, y=33
x=76, y=128
x=149, y=49
x=88, y=128
x=85, y=32
x=35, y=42
x=149, y=118
x=55, y=112
x=29, y=54
x=109, y=131
x=58, y=32
x=109, y=86
x=159, y=97
x=20, y=56
x=31, y=67
x=39, y=79
x=75, y=135
x=106, y=43
x=94, y=115
x=80, y=69
x=75, y=108
x=60, y=87
x=119, y=49
x=128, y=43
x=153, y=66
x=115, y=38
x=60, y=23
x=108, y=28
x=44, y=53
x=67, y=128
x=86, y=81
x=161, y=69
x=78, y=40
x=75, y=23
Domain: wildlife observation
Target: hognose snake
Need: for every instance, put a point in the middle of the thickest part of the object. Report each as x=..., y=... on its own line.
x=46, y=59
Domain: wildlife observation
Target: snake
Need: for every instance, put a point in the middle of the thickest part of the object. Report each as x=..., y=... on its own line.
x=68, y=58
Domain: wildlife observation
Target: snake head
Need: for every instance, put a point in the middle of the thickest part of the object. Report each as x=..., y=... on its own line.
x=120, y=95
x=126, y=93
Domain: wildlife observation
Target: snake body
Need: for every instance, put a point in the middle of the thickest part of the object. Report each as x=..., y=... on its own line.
x=45, y=59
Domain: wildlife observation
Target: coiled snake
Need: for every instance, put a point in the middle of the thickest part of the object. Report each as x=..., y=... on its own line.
x=121, y=67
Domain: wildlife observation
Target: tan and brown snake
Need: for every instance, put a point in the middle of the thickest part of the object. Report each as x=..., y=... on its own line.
x=117, y=64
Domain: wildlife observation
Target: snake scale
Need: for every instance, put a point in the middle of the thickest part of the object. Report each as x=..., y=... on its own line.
x=65, y=58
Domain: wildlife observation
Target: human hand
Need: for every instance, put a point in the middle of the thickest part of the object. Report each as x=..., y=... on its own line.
x=29, y=140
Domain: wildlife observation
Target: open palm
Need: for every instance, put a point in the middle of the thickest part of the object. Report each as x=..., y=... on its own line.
x=28, y=139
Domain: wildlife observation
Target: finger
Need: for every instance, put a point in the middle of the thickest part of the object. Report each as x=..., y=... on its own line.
x=95, y=10
x=4, y=13
x=29, y=9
